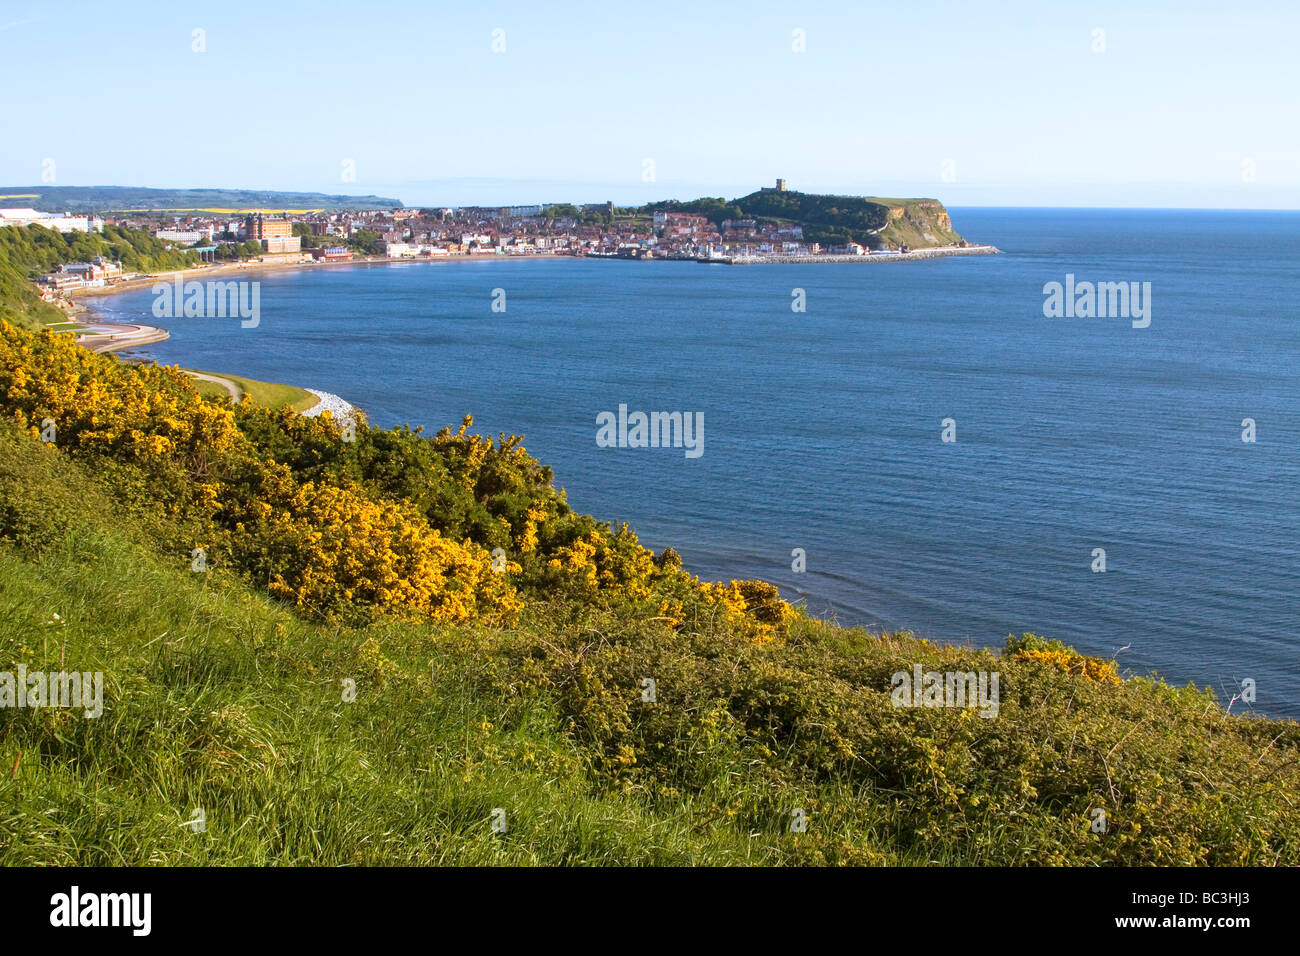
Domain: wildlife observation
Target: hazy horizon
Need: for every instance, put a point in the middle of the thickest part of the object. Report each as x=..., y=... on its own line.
x=481, y=194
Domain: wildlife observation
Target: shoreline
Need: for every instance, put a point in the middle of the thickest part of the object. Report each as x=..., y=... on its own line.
x=120, y=336
x=935, y=252
x=939, y=252
x=228, y=268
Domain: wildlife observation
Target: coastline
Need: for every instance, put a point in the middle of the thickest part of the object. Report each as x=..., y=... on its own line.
x=240, y=268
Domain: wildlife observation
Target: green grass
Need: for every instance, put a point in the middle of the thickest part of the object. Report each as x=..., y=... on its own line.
x=216, y=697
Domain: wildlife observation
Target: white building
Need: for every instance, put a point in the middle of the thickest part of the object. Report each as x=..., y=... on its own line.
x=51, y=220
x=187, y=236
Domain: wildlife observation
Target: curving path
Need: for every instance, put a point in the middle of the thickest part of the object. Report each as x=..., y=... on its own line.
x=236, y=393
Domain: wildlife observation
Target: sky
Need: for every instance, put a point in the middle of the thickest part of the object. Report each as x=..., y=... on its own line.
x=1146, y=104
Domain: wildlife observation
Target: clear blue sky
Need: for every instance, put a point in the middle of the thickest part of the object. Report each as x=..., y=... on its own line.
x=1183, y=99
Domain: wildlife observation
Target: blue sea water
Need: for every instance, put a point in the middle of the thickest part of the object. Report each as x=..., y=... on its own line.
x=822, y=428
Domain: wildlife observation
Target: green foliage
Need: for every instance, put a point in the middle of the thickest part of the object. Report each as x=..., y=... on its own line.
x=827, y=219
x=36, y=506
x=367, y=242
x=34, y=250
x=309, y=239
x=715, y=210
x=831, y=220
x=20, y=302
x=219, y=698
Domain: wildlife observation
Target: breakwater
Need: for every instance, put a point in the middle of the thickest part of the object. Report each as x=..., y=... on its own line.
x=874, y=257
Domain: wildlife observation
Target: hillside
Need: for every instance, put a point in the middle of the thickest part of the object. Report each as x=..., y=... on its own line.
x=27, y=252
x=20, y=303
x=833, y=220
x=101, y=199
x=351, y=679
x=33, y=250
x=873, y=222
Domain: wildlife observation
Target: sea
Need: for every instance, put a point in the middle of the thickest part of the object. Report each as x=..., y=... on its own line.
x=897, y=445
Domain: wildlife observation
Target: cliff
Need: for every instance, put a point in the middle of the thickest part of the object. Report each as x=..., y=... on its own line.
x=872, y=221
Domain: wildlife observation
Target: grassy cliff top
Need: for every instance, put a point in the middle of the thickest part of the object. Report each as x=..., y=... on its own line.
x=874, y=222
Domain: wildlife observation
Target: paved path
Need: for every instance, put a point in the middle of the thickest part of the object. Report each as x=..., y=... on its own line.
x=109, y=337
x=236, y=393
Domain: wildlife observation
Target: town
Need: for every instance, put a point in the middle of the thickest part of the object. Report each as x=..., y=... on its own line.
x=601, y=231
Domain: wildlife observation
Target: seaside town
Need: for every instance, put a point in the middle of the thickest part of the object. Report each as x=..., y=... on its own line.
x=594, y=230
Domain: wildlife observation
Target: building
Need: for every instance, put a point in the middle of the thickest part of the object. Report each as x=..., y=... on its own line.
x=97, y=269
x=273, y=232
x=279, y=244
x=187, y=236
x=259, y=227
x=61, y=281
x=63, y=222
x=332, y=254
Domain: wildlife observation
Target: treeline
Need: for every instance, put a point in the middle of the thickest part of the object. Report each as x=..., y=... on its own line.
x=715, y=210
x=35, y=250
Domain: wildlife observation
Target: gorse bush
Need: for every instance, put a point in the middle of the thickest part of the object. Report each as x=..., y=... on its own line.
x=329, y=549
x=344, y=525
x=1031, y=647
